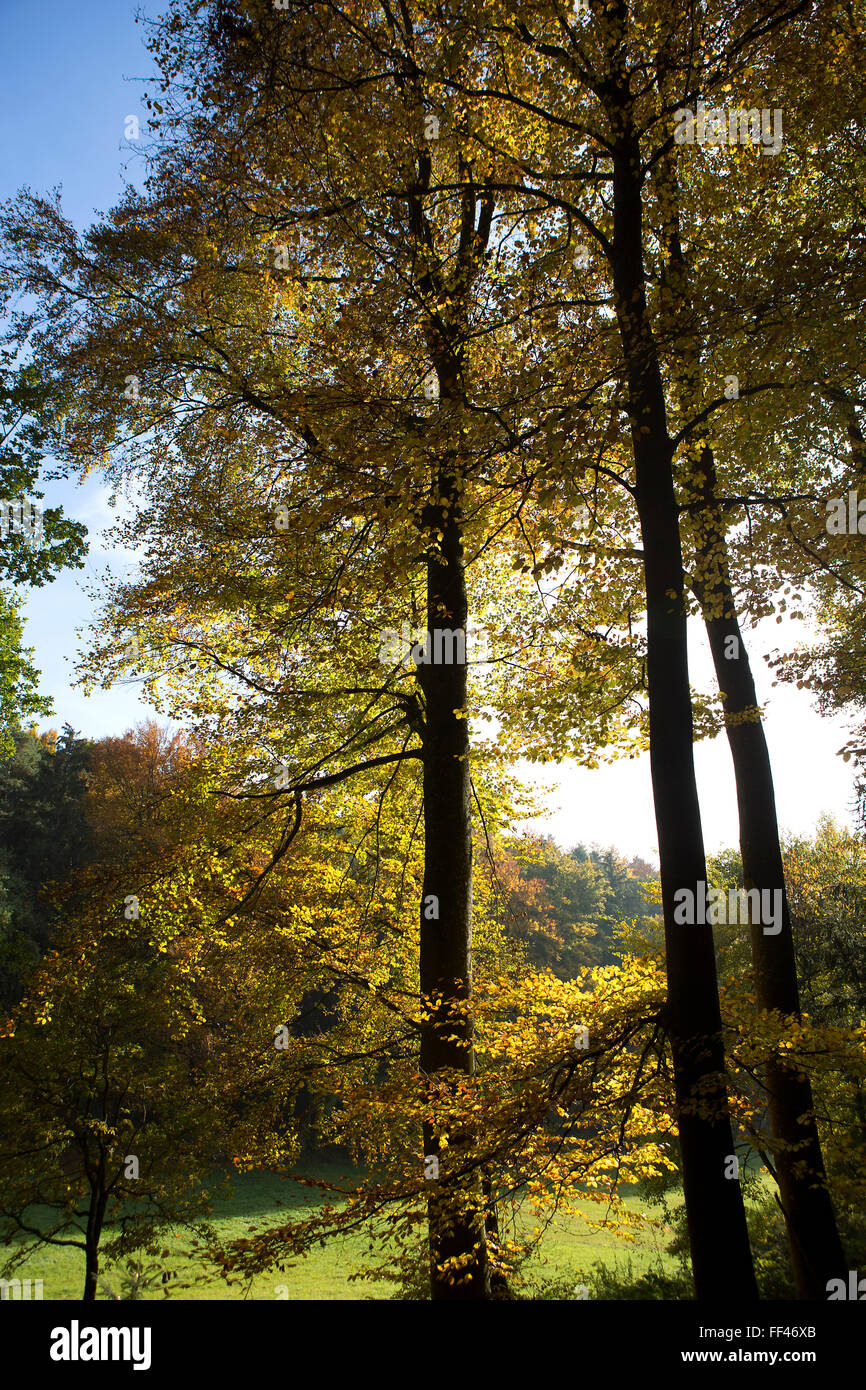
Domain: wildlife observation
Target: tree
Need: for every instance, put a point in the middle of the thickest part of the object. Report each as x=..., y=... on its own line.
x=142, y=1055
x=826, y=887
x=100, y=1123
x=19, y=678
x=31, y=553
x=630, y=72
x=816, y=1251
x=379, y=490
x=35, y=546
x=45, y=838
x=613, y=126
x=566, y=906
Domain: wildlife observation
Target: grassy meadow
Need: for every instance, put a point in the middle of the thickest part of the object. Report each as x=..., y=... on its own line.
x=567, y=1248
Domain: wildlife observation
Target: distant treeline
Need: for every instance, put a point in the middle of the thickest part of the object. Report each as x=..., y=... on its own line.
x=565, y=904
x=562, y=905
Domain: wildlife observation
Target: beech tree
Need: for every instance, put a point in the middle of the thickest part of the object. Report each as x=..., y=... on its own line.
x=816, y=1250
x=373, y=486
x=629, y=72
x=407, y=295
x=144, y=1053
x=105, y=1131
x=609, y=137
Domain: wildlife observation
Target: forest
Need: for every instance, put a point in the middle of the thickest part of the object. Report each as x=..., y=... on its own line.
x=450, y=364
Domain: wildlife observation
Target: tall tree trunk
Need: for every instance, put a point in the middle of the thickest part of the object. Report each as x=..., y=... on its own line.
x=816, y=1249
x=459, y=1267
x=499, y=1286
x=93, y=1233
x=455, y=1199
x=718, y=1236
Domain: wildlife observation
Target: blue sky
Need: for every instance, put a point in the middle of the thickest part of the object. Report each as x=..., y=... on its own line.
x=65, y=94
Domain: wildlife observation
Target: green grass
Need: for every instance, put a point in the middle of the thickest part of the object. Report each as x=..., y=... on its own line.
x=261, y=1200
